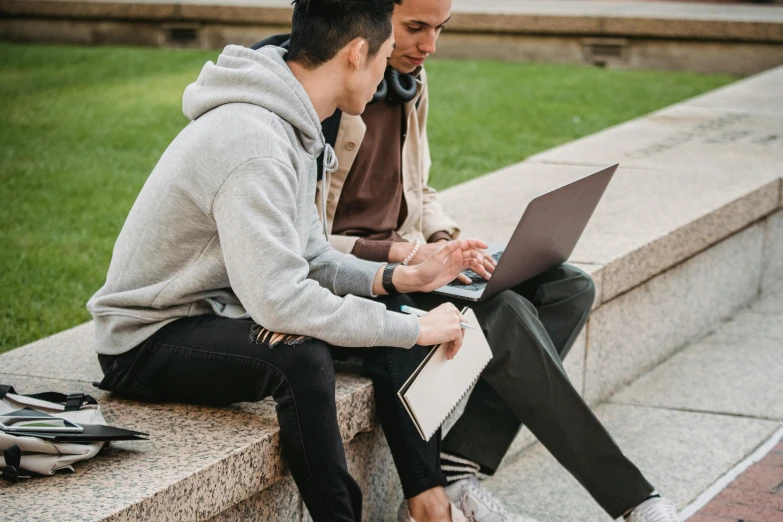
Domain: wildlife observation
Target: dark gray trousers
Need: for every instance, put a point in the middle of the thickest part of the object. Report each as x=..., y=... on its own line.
x=530, y=329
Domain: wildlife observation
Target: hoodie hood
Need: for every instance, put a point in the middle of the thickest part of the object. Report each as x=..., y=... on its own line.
x=260, y=78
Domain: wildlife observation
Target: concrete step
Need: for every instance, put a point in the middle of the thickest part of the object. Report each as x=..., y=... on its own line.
x=685, y=424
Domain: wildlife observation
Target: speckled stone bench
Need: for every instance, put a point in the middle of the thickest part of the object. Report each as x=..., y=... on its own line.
x=688, y=232
x=199, y=461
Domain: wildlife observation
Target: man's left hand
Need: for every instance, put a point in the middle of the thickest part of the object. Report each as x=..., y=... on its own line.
x=444, y=265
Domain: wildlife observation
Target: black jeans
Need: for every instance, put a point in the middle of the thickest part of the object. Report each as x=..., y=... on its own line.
x=212, y=360
x=530, y=329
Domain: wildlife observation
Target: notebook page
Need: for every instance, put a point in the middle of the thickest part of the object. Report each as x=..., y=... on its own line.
x=441, y=384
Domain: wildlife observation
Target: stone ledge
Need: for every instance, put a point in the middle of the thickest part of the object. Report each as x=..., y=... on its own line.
x=537, y=23
x=759, y=93
x=610, y=19
x=647, y=222
x=87, y=10
x=232, y=453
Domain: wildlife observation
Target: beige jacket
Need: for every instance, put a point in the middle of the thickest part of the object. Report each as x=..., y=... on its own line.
x=425, y=214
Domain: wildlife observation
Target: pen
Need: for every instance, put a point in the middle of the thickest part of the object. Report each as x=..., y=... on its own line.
x=419, y=313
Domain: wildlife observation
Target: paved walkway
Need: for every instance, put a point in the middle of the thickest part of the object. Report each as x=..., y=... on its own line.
x=756, y=495
x=689, y=423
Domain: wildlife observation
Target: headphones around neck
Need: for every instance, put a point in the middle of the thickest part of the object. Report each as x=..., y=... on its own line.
x=397, y=87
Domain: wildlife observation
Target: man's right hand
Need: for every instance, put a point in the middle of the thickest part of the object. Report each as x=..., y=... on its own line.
x=441, y=326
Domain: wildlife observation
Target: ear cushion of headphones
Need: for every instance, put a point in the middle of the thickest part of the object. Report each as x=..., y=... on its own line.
x=396, y=86
x=402, y=86
x=381, y=92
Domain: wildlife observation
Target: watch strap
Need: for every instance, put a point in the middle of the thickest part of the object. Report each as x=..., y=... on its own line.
x=386, y=280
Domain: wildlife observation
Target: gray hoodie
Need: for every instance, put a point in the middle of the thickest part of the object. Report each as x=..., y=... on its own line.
x=226, y=223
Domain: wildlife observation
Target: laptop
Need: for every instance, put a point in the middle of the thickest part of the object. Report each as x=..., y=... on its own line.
x=544, y=238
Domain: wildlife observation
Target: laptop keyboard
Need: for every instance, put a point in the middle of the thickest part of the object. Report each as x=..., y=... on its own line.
x=476, y=281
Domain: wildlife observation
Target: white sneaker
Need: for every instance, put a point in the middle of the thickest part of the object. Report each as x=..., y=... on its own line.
x=478, y=504
x=656, y=509
x=404, y=514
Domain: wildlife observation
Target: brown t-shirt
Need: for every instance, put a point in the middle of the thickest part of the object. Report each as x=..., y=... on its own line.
x=377, y=170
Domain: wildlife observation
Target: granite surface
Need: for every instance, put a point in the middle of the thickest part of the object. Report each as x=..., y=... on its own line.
x=772, y=275
x=683, y=137
x=646, y=222
x=740, y=379
x=489, y=207
x=755, y=326
x=760, y=92
x=67, y=355
x=369, y=462
x=224, y=454
x=772, y=301
x=653, y=220
x=278, y=503
x=641, y=328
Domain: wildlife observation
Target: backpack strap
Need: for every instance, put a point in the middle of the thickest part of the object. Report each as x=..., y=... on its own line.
x=72, y=402
x=5, y=390
x=13, y=471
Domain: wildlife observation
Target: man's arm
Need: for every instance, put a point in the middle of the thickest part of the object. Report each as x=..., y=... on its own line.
x=270, y=275
x=340, y=272
x=380, y=251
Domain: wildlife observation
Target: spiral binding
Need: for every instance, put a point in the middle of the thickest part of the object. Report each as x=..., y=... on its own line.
x=473, y=383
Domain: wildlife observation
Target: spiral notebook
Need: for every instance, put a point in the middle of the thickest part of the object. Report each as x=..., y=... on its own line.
x=438, y=385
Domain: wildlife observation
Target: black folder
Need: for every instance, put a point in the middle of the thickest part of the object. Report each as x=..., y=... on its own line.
x=91, y=433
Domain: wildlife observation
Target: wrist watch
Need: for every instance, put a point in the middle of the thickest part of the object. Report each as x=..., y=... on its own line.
x=386, y=280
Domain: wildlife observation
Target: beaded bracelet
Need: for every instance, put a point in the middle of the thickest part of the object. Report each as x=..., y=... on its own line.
x=408, y=259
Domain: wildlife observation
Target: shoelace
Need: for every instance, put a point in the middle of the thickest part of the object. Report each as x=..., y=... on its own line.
x=469, y=517
x=661, y=511
x=330, y=165
x=487, y=497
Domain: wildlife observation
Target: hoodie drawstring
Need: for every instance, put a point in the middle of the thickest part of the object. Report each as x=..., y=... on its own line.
x=330, y=165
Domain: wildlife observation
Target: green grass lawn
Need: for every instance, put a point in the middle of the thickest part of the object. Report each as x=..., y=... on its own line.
x=81, y=128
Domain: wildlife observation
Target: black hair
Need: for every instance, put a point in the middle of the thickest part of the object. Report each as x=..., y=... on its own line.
x=320, y=28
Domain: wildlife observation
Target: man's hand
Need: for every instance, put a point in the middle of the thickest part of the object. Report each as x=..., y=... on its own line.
x=400, y=252
x=443, y=266
x=441, y=326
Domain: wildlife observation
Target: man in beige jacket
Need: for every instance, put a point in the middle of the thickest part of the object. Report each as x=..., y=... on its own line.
x=379, y=206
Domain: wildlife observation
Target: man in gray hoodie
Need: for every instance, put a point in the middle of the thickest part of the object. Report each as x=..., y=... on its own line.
x=222, y=287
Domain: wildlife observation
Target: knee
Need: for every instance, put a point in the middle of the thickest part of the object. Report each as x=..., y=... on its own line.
x=583, y=285
x=504, y=317
x=310, y=367
x=508, y=304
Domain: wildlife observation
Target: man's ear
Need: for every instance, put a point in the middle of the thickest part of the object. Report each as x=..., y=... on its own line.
x=357, y=52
